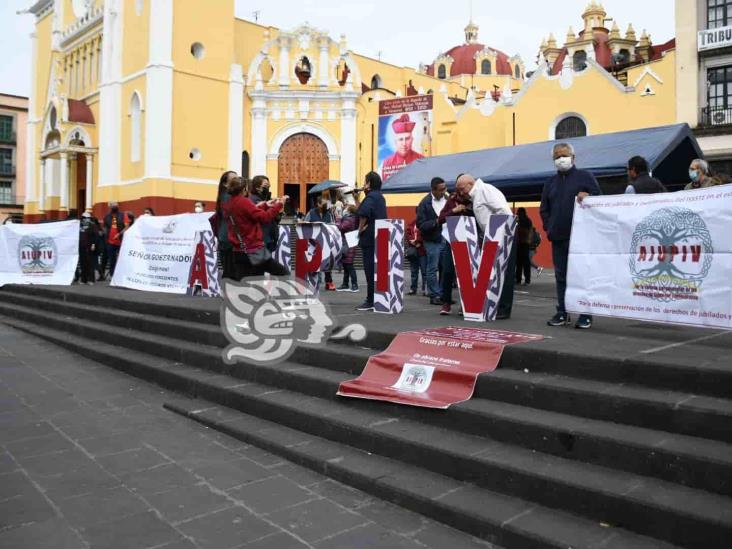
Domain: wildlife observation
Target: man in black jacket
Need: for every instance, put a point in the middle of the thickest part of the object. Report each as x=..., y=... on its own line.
x=640, y=180
x=557, y=211
x=428, y=212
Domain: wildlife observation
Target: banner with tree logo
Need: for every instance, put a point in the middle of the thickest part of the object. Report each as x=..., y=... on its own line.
x=46, y=253
x=661, y=257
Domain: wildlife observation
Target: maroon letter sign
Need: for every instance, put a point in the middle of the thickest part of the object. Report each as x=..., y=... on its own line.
x=432, y=368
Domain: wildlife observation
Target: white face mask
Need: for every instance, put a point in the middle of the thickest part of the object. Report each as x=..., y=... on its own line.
x=563, y=163
x=198, y=209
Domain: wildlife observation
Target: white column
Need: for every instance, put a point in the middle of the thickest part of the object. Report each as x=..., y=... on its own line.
x=236, y=117
x=64, y=194
x=31, y=159
x=159, y=91
x=324, y=65
x=259, y=141
x=110, y=94
x=57, y=24
x=89, y=181
x=42, y=193
x=284, y=68
x=348, y=142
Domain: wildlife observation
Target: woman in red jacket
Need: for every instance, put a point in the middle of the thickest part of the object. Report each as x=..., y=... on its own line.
x=245, y=219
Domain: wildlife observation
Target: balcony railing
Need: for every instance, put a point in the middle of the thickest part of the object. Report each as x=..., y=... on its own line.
x=7, y=170
x=715, y=116
x=8, y=137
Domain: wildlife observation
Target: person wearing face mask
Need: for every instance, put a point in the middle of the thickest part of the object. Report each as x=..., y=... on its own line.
x=260, y=192
x=557, y=210
x=321, y=213
x=198, y=207
x=114, y=226
x=700, y=175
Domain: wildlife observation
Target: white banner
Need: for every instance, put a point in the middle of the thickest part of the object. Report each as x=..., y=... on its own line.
x=157, y=252
x=46, y=253
x=660, y=257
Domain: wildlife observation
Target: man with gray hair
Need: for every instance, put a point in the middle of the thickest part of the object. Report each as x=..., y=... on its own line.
x=487, y=200
x=557, y=210
x=700, y=175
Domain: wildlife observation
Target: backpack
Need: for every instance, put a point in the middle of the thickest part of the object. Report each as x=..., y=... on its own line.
x=535, y=239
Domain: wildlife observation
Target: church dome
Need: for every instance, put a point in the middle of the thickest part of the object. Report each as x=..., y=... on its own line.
x=464, y=56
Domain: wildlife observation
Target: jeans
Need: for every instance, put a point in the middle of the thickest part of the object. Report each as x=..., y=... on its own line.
x=112, y=254
x=523, y=263
x=368, y=268
x=417, y=264
x=448, y=273
x=349, y=276
x=434, y=251
x=560, y=256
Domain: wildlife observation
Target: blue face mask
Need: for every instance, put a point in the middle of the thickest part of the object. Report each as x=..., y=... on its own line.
x=694, y=175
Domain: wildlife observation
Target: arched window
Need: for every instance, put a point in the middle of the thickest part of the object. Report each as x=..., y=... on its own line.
x=135, y=127
x=572, y=126
x=441, y=72
x=624, y=56
x=342, y=72
x=485, y=67
x=579, y=60
x=303, y=70
x=245, y=164
x=517, y=72
x=376, y=82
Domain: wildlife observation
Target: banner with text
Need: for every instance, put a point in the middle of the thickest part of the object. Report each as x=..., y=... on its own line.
x=405, y=132
x=432, y=368
x=661, y=257
x=46, y=253
x=157, y=252
x=389, y=266
x=480, y=267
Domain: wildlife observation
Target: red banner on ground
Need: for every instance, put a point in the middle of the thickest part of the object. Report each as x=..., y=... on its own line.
x=432, y=368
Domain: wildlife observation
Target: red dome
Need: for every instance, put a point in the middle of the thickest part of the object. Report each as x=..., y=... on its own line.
x=464, y=61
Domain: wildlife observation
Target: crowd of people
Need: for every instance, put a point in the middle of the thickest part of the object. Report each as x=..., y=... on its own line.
x=246, y=220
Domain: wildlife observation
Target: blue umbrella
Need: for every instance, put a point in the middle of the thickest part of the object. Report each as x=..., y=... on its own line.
x=326, y=186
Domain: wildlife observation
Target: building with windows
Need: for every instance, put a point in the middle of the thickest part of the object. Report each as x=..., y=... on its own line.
x=13, y=122
x=146, y=102
x=704, y=76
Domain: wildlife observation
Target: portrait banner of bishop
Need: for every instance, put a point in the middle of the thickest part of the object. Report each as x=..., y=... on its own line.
x=405, y=132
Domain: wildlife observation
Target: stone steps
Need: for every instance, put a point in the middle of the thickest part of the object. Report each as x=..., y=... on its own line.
x=494, y=516
x=584, y=445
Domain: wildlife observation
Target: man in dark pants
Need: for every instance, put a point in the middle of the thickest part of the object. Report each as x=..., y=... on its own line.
x=557, y=211
x=372, y=208
x=436, y=247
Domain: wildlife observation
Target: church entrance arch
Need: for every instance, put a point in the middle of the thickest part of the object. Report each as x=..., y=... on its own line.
x=302, y=162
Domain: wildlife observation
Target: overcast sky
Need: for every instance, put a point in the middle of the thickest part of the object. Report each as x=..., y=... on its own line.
x=404, y=32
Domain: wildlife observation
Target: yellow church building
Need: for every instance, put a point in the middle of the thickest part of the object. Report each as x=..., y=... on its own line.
x=147, y=102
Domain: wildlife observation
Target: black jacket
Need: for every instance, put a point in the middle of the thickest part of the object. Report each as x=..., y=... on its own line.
x=645, y=184
x=557, y=200
x=427, y=221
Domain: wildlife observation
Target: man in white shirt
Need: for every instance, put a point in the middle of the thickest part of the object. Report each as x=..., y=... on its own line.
x=487, y=200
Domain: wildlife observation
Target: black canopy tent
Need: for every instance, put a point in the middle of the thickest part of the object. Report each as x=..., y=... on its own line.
x=520, y=171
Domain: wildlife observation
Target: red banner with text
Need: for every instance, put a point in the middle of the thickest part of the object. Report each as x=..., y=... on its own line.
x=432, y=368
